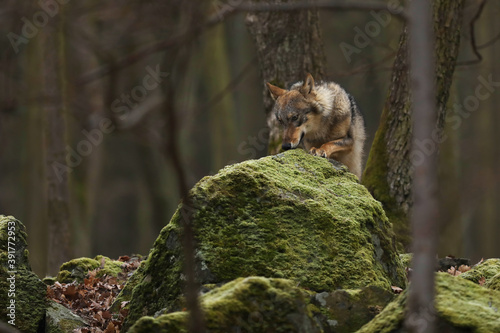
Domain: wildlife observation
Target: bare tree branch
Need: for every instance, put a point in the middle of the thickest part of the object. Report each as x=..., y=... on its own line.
x=472, y=29
x=196, y=319
x=192, y=33
x=326, y=4
x=180, y=57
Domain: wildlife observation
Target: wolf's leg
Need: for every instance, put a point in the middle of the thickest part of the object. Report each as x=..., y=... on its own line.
x=327, y=149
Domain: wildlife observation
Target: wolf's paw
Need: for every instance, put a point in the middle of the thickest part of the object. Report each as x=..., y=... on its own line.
x=317, y=152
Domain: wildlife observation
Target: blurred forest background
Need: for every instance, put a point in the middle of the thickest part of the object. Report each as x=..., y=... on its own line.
x=122, y=187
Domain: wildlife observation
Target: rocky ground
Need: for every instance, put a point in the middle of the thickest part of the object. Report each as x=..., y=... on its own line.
x=286, y=243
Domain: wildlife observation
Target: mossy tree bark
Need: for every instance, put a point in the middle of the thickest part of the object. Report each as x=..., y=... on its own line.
x=288, y=46
x=388, y=173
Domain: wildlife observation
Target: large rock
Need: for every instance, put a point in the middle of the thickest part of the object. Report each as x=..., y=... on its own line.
x=292, y=216
x=253, y=304
x=461, y=306
x=348, y=310
x=258, y=304
x=60, y=319
x=22, y=300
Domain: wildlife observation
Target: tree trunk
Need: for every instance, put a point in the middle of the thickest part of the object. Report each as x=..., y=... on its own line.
x=215, y=77
x=389, y=166
x=35, y=202
x=420, y=316
x=54, y=108
x=288, y=46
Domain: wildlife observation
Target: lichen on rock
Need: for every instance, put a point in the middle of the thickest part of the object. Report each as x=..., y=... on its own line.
x=461, y=306
x=290, y=215
x=60, y=319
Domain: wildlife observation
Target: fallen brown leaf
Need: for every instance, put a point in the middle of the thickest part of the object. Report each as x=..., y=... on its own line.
x=481, y=281
x=453, y=271
x=124, y=258
x=110, y=328
x=464, y=268
x=92, y=298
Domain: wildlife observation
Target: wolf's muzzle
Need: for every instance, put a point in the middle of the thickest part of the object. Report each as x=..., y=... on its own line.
x=289, y=145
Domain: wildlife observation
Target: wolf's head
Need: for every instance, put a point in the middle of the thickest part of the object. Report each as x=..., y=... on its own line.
x=293, y=109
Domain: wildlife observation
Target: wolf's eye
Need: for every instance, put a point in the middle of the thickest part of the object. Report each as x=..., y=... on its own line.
x=294, y=118
x=279, y=119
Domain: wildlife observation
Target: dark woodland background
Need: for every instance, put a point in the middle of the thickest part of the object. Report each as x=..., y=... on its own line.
x=125, y=189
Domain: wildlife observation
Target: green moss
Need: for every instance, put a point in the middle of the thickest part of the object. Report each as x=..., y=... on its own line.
x=406, y=259
x=160, y=284
x=48, y=280
x=494, y=282
x=467, y=305
x=22, y=293
x=110, y=268
x=291, y=216
x=9, y=224
x=375, y=180
x=461, y=306
x=65, y=276
x=126, y=293
x=486, y=269
x=375, y=173
x=348, y=310
x=252, y=304
x=390, y=320
x=174, y=322
x=77, y=269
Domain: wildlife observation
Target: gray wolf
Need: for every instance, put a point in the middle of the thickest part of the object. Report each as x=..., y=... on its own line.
x=322, y=119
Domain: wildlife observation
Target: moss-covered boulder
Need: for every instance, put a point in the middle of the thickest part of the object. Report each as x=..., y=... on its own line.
x=77, y=269
x=487, y=269
x=22, y=300
x=60, y=319
x=461, y=306
x=253, y=304
x=348, y=310
x=291, y=216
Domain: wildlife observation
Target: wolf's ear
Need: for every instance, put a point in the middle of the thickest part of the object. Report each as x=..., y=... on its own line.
x=307, y=86
x=275, y=91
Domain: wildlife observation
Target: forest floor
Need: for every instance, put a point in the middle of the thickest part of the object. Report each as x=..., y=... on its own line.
x=92, y=298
